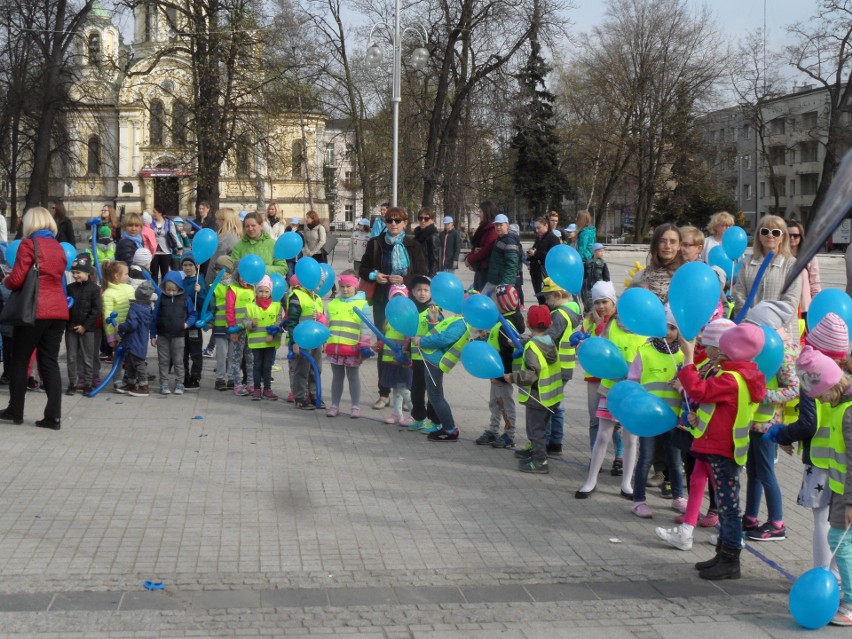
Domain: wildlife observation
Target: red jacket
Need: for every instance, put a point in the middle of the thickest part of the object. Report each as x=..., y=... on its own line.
x=483, y=239
x=718, y=439
x=52, y=303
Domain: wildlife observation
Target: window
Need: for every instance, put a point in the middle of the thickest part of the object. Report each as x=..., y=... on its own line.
x=171, y=18
x=127, y=187
x=93, y=154
x=808, y=151
x=150, y=19
x=347, y=176
x=157, y=123
x=242, y=153
x=778, y=126
x=810, y=120
x=776, y=155
x=746, y=132
x=329, y=154
x=792, y=187
x=733, y=134
x=747, y=189
x=349, y=212
x=808, y=183
x=179, y=112
x=763, y=189
x=779, y=186
x=747, y=161
x=297, y=158
x=95, y=49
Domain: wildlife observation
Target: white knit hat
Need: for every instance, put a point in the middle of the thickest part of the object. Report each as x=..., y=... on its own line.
x=830, y=336
x=604, y=291
x=142, y=257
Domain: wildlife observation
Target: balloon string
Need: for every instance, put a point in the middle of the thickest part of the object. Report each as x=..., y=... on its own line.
x=425, y=364
x=839, y=543
x=674, y=361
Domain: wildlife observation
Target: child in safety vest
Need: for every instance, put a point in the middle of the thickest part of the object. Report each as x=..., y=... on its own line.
x=822, y=379
x=344, y=348
x=303, y=305
x=540, y=388
x=263, y=336
x=224, y=347
x=237, y=298
x=396, y=372
x=655, y=366
x=105, y=246
x=501, y=401
x=603, y=321
x=421, y=409
x=727, y=403
x=173, y=312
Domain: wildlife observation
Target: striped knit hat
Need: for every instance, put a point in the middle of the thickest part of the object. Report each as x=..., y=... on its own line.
x=711, y=333
x=830, y=336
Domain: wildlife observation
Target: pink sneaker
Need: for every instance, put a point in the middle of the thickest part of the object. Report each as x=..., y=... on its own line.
x=679, y=504
x=255, y=394
x=355, y=413
x=641, y=510
x=679, y=519
x=334, y=411
x=395, y=418
x=269, y=395
x=241, y=391
x=407, y=421
x=709, y=520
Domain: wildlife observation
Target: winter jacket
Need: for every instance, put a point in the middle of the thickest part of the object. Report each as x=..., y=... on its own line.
x=586, y=239
x=428, y=239
x=376, y=258
x=65, y=232
x=839, y=503
x=315, y=239
x=170, y=237
x=718, y=439
x=87, y=307
x=196, y=298
x=505, y=260
x=450, y=248
x=51, y=264
x=116, y=299
x=149, y=239
x=227, y=242
x=135, y=329
x=594, y=271
x=803, y=429
x=482, y=244
x=172, y=313
x=811, y=285
x=504, y=345
x=434, y=345
x=263, y=247
x=770, y=286
x=542, y=245
x=529, y=375
x=124, y=250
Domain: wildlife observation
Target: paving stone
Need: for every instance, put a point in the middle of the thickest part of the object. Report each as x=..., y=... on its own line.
x=25, y=602
x=226, y=599
x=86, y=601
x=713, y=631
x=696, y=588
x=494, y=594
x=625, y=590
x=361, y=596
x=560, y=592
x=428, y=594
x=293, y=598
x=149, y=601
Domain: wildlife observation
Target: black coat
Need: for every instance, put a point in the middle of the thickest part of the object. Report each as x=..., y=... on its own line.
x=372, y=261
x=450, y=245
x=427, y=237
x=542, y=245
x=87, y=307
x=65, y=232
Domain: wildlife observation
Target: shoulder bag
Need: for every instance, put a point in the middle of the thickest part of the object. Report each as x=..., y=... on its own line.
x=20, y=308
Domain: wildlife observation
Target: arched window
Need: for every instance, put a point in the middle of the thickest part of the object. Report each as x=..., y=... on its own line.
x=157, y=123
x=93, y=162
x=179, y=123
x=95, y=49
x=297, y=159
x=242, y=152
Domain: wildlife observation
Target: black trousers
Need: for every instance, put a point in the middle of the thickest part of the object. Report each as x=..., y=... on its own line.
x=537, y=280
x=192, y=351
x=160, y=265
x=45, y=338
x=379, y=321
x=420, y=408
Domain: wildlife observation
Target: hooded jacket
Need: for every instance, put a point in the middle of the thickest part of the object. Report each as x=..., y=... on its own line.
x=530, y=373
x=263, y=247
x=172, y=313
x=135, y=328
x=585, y=241
x=196, y=298
x=87, y=307
x=718, y=439
x=427, y=237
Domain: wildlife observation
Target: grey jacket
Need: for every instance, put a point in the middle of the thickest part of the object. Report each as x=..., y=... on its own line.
x=837, y=510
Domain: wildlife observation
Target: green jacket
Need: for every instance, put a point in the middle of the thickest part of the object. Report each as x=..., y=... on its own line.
x=504, y=261
x=263, y=247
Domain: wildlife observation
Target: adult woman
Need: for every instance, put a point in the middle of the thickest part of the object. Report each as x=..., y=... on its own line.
x=664, y=258
x=692, y=241
x=167, y=239
x=64, y=227
x=587, y=235
x=315, y=237
x=426, y=234
x=273, y=224
x=392, y=257
x=772, y=237
x=482, y=243
x=256, y=241
x=545, y=240
x=811, y=284
x=719, y=223
x=45, y=336
x=109, y=218
x=230, y=231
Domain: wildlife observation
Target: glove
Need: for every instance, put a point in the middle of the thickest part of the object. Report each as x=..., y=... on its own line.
x=773, y=432
x=366, y=352
x=578, y=337
x=274, y=330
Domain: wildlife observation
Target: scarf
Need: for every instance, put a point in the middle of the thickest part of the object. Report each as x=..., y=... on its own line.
x=42, y=233
x=136, y=239
x=661, y=346
x=399, y=256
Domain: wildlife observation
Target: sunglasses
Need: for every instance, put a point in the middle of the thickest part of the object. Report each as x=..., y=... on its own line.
x=424, y=219
x=393, y=220
x=792, y=235
x=765, y=232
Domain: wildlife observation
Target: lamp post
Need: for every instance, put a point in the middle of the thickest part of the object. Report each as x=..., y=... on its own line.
x=418, y=59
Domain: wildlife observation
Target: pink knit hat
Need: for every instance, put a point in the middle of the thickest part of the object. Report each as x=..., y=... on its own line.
x=397, y=289
x=265, y=282
x=712, y=331
x=742, y=343
x=830, y=336
x=817, y=372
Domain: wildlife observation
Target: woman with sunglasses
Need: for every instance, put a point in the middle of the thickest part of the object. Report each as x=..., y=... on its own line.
x=772, y=236
x=390, y=258
x=811, y=284
x=426, y=234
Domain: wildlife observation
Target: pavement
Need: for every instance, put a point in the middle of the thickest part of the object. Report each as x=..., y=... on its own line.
x=262, y=520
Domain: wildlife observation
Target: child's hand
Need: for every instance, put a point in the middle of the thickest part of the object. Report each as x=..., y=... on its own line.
x=507, y=378
x=254, y=323
x=296, y=349
x=675, y=384
x=848, y=516
x=434, y=313
x=416, y=341
x=153, y=341
x=197, y=287
x=79, y=330
x=692, y=418
x=377, y=347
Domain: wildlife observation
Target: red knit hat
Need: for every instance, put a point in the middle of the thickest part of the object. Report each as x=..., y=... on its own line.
x=830, y=336
x=506, y=297
x=539, y=317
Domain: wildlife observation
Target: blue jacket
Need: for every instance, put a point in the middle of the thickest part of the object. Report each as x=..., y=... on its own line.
x=172, y=312
x=134, y=329
x=442, y=342
x=197, y=299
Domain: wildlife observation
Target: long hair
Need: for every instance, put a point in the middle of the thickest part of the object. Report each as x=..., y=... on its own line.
x=229, y=222
x=584, y=219
x=654, y=252
x=834, y=394
x=771, y=222
x=489, y=212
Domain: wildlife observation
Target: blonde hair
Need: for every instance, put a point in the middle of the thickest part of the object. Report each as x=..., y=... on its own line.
x=36, y=219
x=132, y=219
x=584, y=219
x=111, y=269
x=694, y=235
x=834, y=394
x=718, y=218
x=230, y=222
x=771, y=222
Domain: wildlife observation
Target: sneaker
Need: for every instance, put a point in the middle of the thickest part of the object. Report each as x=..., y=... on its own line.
x=179, y=389
x=843, y=616
x=486, y=438
x=221, y=385
x=675, y=537
x=641, y=510
x=164, y=390
x=207, y=352
x=679, y=504
x=666, y=490
x=71, y=390
x=407, y=421
x=303, y=405
x=321, y=405
x=138, y=391
x=192, y=385
x=290, y=398
x=536, y=466
x=554, y=450
x=750, y=523
x=255, y=395
x=617, y=469
x=87, y=388
x=504, y=441
x=768, y=532
x=269, y=395
x=231, y=384
x=380, y=403
x=394, y=418
x=416, y=425
x=334, y=411
x=121, y=388
x=709, y=520
x=241, y=391
x=431, y=428
x=355, y=412
x=444, y=436
x=525, y=452
x=655, y=480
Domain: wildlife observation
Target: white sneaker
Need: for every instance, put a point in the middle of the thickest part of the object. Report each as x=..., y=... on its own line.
x=675, y=537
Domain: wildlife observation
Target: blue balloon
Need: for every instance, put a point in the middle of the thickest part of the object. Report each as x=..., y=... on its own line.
x=814, y=598
x=771, y=355
x=70, y=254
x=618, y=394
x=288, y=246
x=601, y=358
x=310, y=334
x=734, y=241
x=204, y=244
x=447, y=291
x=565, y=267
x=718, y=257
x=693, y=297
x=648, y=415
x=480, y=311
x=402, y=314
x=828, y=300
x=482, y=360
x=12, y=252
x=309, y=273
x=252, y=268
x=279, y=286
x=326, y=279
x=642, y=312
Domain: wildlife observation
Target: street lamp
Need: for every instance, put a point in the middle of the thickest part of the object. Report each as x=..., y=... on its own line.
x=418, y=60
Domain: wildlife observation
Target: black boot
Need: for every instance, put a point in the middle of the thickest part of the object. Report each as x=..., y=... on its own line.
x=727, y=567
x=704, y=565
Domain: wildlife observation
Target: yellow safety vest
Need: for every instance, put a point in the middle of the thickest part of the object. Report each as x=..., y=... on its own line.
x=219, y=294
x=658, y=369
x=245, y=296
x=422, y=330
x=549, y=384
x=628, y=343
x=828, y=450
x=452, y=354
x=344, y=325
x=493, y=340
x=567, y=353
x=766, y=409
x=257, y=337
x=396, y=338
x=311, y=304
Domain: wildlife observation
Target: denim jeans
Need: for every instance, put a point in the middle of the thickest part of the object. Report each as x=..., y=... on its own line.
x=556, y=424
x=646, y=457
x=726, y=482
x=760, y=471
x=435, y=393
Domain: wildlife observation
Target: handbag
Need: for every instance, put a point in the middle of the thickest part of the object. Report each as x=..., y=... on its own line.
x=20, y=308
x=369, y=288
